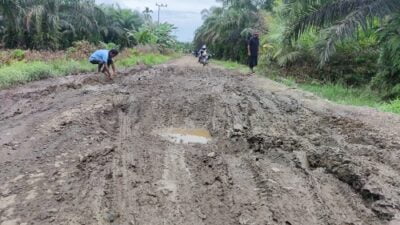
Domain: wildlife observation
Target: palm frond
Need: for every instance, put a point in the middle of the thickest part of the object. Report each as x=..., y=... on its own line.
x=346, y=10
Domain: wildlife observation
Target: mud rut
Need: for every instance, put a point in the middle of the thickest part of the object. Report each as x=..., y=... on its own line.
x=76, y=150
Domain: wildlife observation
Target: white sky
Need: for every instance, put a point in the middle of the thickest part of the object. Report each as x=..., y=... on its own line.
x=185, y=14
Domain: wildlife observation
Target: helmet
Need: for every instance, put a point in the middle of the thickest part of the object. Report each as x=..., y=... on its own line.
x=204, y=47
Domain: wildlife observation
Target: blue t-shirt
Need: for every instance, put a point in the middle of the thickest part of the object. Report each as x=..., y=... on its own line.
x=100, y=55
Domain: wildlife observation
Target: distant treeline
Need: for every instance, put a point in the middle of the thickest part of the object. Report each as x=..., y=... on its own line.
x=57, y=24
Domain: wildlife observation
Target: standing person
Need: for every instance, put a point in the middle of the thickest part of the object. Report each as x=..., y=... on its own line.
x=104, y=58
x=252, y=50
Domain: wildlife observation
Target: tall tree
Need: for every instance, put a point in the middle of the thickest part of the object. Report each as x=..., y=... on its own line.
x=53, y=24
x=225, y=29
x=11, y=12
x=147, y=14
x=339, y=19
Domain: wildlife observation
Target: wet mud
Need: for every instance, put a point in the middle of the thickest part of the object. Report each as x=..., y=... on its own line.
x=182, y=144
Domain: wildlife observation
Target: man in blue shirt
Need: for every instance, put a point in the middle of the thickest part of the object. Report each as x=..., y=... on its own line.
x=104, y=59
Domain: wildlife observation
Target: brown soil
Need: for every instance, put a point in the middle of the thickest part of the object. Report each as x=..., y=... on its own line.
x=80, y=150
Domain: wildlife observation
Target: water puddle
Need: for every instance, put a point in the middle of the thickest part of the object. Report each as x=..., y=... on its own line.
x=186, y=136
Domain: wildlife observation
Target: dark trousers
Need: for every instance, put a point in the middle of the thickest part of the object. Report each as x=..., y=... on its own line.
x=100, y=64
x=253, y=61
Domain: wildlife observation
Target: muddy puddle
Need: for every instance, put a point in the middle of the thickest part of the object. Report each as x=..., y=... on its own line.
x=186, y=136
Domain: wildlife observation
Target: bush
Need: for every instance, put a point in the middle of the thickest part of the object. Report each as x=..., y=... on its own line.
x=18, y=54
x=146, y=49
x=109, y=46
x=393, y=106
x=81, y=50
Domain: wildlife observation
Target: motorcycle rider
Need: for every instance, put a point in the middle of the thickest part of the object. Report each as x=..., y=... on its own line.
x=203, y=52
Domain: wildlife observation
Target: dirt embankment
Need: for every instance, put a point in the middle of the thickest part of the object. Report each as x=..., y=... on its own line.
x=76, y=150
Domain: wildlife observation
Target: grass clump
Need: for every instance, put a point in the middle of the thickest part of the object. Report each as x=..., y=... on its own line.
x=232, y=65
x=23, y=72
x=346, y=95
x=393, y=106
x=343, y=95
x=147, y=59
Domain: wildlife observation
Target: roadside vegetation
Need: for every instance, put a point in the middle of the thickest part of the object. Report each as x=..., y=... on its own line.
x=57, y=24
x=231, y=65
x=24, y=71
x=49, y=38
x=345, y=51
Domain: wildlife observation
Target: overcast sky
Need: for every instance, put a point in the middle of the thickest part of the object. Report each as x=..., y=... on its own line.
x=184, y=14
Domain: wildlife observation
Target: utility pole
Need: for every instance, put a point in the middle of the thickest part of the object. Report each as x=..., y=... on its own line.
x=159, y=8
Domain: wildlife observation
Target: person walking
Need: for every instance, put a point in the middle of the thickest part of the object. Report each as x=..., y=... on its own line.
x=252, y=50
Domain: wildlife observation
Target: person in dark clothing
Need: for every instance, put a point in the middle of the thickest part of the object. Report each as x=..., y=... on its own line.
x=252, y=49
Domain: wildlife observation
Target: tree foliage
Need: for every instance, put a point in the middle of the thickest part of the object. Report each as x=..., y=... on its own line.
x=352, y=42
x=54, y=24
x=226, y=28
x=373, y=25
x=387, y=80
x=338, y=20
x=155, y=34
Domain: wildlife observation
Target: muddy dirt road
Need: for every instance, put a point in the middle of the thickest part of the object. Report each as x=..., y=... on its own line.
x=181, y=144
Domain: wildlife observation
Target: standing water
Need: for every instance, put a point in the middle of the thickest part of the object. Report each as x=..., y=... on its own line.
x=186, y=136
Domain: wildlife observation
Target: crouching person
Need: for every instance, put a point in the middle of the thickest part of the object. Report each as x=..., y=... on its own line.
x=104, y=59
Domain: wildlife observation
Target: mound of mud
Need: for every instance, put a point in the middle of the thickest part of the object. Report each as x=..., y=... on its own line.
x=79, y=150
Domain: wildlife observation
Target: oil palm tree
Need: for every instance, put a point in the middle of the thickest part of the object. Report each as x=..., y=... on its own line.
x=117, y=23
x=225, y=28
x=147, y=14
x=53, y=24
x=11, y=11
x=42, y=23
x=339, y=19
x=79, y=21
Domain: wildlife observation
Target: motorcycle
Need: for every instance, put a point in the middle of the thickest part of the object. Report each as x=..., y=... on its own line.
x=204, y=58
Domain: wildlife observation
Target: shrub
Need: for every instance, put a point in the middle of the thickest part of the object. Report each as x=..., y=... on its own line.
x=18, y=54
x=81, y=50
x=109, y=45
x=393, y=106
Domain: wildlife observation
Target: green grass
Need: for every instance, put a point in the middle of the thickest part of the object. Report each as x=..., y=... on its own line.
x=232, y=65
x=344, y=95
x=290, y=82
x=352, y=96
x=23, y=72
x=333, y=92
x=147, y=59
x=393, y=106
